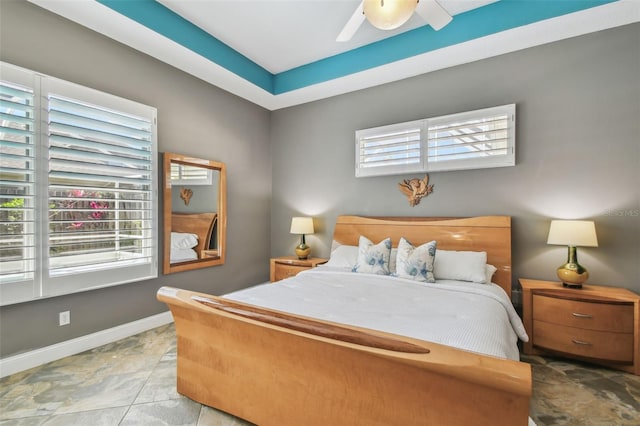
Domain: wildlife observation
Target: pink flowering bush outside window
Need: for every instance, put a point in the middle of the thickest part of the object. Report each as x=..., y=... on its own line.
x=84, y=221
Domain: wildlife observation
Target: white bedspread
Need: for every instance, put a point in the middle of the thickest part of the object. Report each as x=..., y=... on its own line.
x=474, y=317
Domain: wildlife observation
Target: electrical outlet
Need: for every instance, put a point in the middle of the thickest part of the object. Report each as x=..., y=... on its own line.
x=64, y=318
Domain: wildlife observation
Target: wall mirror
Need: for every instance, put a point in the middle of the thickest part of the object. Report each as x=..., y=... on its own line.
x=195, y=219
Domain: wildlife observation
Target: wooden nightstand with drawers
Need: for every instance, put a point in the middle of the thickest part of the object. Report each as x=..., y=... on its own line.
x=595, y=323
x=289, y=266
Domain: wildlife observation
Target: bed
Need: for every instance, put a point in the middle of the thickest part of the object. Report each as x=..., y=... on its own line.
x=190, y=235
x=272, y=361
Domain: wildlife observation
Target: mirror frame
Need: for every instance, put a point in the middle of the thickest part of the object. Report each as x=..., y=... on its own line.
x=169, y=158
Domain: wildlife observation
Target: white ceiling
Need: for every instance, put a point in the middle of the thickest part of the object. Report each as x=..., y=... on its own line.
x=281, y=35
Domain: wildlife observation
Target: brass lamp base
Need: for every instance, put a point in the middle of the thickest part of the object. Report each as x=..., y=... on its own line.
x=303, y=251
x=572, y=275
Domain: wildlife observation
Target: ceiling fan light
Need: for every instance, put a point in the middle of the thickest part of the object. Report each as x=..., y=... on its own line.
x=388, y=14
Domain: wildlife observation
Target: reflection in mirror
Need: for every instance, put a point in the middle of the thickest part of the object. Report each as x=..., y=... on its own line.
x=194, y=213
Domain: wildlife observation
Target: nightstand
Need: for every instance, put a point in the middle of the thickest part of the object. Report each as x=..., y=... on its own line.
x=289, y=266
x=595, y=323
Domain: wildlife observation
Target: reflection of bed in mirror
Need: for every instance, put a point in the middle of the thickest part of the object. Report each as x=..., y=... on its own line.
x=191, y=235
x=206, y=181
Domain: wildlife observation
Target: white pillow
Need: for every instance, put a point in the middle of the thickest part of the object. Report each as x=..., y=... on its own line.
x=373, y=259
x=461, y=266
x=490, y=270
x=346, y=256
x=416, y=263
x=183, y=240
x=343, y=256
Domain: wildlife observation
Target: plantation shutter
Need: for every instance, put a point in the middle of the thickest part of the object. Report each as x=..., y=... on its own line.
x=17, y=178
x=389, y=149
x=477, y=139
x=101, y=222
x=183, y=174
x=78, y=188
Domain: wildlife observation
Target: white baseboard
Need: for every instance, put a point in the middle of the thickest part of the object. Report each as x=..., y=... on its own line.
x=24, y=361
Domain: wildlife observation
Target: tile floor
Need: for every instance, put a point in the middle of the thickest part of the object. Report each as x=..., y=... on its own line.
x=132, y=382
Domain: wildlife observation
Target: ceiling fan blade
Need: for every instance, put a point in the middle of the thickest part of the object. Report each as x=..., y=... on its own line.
x=433, y=13
x=352, y=25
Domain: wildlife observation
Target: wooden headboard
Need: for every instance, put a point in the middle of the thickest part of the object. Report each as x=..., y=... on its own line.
x=201, y=224
x=491, y=234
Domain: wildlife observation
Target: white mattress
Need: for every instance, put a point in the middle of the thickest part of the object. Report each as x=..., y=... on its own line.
x=474, y=317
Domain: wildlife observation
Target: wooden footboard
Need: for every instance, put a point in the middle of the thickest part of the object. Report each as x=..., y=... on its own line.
x=272, y=368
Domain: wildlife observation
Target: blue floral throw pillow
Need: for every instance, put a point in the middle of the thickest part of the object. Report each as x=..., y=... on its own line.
x=416, y=263
x=373, y=259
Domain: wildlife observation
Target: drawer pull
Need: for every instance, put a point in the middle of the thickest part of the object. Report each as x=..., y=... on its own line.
x=577, y=315
x=580, y=342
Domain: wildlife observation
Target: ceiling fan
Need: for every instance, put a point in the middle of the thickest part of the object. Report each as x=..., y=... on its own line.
x=390, y=14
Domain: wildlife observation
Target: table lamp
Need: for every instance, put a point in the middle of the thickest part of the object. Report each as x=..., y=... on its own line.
x=572, y=233
x=302, y=226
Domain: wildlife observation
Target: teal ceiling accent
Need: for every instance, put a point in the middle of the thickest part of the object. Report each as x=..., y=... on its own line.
x=493, y=18
x=496, y=17
x=158, y=18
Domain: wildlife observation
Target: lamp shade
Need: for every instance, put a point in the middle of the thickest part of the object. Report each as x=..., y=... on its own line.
x=388, y=14
x=574, y=233
x=302, y=225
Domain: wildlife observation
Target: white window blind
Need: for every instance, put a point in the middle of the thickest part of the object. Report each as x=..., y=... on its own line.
x=17, y=183
x=91, y=193
x=99, y=187
x=183, y=174
x=475, y=139
x=470, y=140
x=389, y=149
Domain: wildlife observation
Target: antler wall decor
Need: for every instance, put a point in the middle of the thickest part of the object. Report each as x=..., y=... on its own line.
x=415, y=189
x=185, y=194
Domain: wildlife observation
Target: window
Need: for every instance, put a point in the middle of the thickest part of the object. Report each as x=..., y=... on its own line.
x=470, y=140
x=390, y=149
x=77, y=188
x=183, y=174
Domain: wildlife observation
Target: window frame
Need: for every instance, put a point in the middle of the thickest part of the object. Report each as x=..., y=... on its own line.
x=425, y=165
x=45, y=283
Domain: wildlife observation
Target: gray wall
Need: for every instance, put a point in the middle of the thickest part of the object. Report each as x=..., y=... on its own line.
x=194, y=119
x=578, y=153
x=204, y=198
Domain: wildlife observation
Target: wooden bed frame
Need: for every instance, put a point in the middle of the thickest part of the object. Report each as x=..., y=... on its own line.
x=273, y=368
